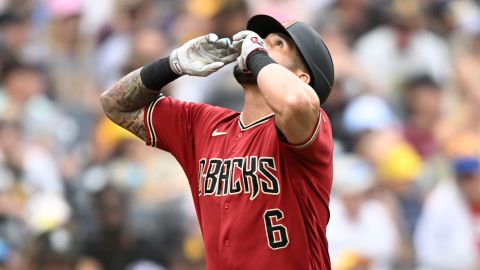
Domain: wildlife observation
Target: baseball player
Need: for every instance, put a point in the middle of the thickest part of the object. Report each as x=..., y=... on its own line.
x=260, y=179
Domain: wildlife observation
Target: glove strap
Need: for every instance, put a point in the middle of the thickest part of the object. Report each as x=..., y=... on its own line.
x=175, y=63
x=158, y=74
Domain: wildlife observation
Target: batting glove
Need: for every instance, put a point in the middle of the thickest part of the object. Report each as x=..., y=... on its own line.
x=202, y=56
x=247, y=42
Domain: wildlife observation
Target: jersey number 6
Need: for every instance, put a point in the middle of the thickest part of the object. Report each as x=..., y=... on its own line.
x=277, y=234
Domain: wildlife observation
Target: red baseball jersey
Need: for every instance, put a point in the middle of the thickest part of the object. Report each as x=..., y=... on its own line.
x=261, y=202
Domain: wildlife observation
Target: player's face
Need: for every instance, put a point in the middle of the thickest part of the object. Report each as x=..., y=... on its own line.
x=280, y=48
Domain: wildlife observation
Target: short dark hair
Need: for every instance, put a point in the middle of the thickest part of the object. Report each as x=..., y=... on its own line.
x=15, y=66
x=10, y=17
x=420, y=80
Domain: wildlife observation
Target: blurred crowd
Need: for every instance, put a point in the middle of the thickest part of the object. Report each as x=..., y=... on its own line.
x=79, y=193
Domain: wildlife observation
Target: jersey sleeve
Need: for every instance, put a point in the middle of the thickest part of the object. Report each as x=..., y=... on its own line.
x=317, y=148
x=170, y=126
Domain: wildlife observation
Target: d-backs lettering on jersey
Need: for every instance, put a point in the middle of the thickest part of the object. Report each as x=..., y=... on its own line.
x=261, y=202
x=249, y=175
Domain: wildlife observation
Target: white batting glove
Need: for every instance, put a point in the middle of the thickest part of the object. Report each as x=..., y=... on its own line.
x=247, y=42
x=202, y=56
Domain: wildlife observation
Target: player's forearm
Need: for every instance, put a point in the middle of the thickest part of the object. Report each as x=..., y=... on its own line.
x=285, y=93
x=294, y=102
x=138, y=88
x=128, y=94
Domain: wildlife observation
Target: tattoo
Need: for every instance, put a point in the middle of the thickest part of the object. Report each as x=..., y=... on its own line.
x=124, y=103
x=134, y=123
x=130, y=93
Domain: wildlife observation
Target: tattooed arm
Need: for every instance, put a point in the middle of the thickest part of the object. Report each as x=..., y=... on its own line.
x=123, y=103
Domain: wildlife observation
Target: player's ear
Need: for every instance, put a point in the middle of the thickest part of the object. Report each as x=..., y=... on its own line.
x=304, y=76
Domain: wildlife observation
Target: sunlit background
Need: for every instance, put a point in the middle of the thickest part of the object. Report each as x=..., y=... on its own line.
x=77, y=192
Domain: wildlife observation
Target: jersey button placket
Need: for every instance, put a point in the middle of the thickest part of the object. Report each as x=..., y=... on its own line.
x=239, y=135
x=226, y=206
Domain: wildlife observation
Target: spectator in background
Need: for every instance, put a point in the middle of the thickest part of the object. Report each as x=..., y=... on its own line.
x=347, y=67
x=467, y=109
x=219, y=88
x=58, y=249
x=145, y=265
x=362, y=233
x=285, y=10
x=30, y=165
x=390, y=53
x=398, y=168
x=193, y=256
x=223, y=90
x=112, y=244
x=131, y=32
x=351, y=83
x=87, y=263
x=123, y=237
x=48, y=144
x=423, y=104
x=150, y=177
x=355, y=18
x=16, y=31
x=377, y=117
x=68, y=53
x=23, y=98
x=4, y=255
x=465, y=18
x=26, y=172
x=230, y=18
x=147, y=45
x=448, y=234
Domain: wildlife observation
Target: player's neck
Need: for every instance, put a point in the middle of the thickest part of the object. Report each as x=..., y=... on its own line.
x=255, y=106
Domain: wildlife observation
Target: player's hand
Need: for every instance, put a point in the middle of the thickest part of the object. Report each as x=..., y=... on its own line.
x=247, y=42
x=202, y=56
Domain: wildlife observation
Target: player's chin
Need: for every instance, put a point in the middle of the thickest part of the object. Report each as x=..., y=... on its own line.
x=243, y=77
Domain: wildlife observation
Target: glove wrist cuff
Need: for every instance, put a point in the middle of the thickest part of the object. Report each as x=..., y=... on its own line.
x=158, y=74
x=257, y=60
